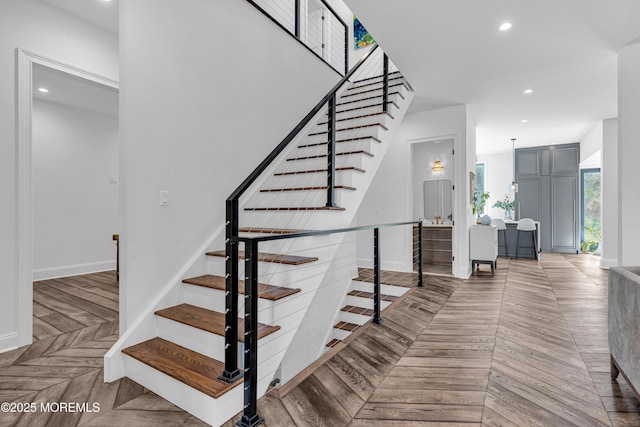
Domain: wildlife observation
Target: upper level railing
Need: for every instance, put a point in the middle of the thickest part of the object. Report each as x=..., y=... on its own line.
x=315, y=24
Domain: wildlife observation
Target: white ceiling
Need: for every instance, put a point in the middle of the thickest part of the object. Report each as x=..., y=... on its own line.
x=101, y=13
x=452, y=52
x=74, y=91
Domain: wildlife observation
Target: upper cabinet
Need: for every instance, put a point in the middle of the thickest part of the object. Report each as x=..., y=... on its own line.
x=565, y=159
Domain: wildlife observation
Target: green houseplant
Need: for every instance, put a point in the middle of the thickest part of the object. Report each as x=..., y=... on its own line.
x=592, y=239
x=479, y=200
x=506, y=204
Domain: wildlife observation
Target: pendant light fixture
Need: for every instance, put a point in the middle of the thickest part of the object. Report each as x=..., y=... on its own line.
x=514, y=183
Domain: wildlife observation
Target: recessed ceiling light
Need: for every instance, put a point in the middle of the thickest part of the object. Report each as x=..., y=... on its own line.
x=528, y=91
x=505, y=26
x=43, y=89
x=524, y=121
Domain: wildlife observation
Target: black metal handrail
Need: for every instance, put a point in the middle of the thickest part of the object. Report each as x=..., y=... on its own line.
x=250, y=417
x=232, y=372
x=296, y=33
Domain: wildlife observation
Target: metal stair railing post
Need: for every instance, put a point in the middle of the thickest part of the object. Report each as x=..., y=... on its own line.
x=385, y=83
x=376, y=276
x=231, y=372
x=420, y=279
x=331, y=153
x=250, y=417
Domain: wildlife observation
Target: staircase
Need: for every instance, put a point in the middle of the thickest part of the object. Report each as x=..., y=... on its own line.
x=178, y=351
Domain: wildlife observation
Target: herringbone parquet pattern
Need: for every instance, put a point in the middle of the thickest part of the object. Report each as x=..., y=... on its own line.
x=67, y=367
x=527, y=347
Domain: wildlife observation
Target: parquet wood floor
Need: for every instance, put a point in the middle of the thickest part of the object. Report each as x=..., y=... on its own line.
x=75, y=323
x=527, y=347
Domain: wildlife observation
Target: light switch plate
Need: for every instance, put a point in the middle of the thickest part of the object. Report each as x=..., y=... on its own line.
x=164, y=198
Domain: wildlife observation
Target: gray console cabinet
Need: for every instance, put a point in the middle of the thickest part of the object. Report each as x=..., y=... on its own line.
x=548, y=191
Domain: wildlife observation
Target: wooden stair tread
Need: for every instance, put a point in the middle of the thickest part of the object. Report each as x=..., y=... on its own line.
x=358, y=138
x=357, y=310
x=320, y=187
x=319, y=156
x=267, y=257
x=346, y=326
x=333, y=343
x=369, y=98
x=369, y=295
x=264, y=230
x=368, y=125
x=209, y=320
x=193, y=369
x=366, y=106
x=265, y=291
x=300, y=208
x=358, y=117
x=345, y=168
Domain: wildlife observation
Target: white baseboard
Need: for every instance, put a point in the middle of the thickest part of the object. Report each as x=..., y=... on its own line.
x=8, y=342
x=608, y=263
x=73, y=270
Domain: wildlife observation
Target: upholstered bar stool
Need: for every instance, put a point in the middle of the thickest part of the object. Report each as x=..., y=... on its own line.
x=528, y=226
x=499, y=223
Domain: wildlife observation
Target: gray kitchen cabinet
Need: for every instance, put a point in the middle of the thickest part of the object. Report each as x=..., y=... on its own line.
x=548, y=191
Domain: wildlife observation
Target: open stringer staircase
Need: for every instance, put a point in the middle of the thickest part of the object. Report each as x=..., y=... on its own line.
x=182, y=363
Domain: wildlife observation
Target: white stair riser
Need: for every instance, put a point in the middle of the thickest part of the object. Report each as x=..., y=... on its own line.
x=297, y=198
x=341, y=147
x=212, y=411
x=364, y=302
x=358, y=319
x=394, y=86
x=369, y=131
x=382, y=119
x=348, y=105
x=340, y=334
x=212, y=345
x=384, y=288
x=349, y=160
x=310, y=179
x=361, y=85
x=367, y=93
x=343, y=113
x=213, y=299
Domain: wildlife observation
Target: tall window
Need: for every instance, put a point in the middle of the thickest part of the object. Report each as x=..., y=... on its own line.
x=590, y=203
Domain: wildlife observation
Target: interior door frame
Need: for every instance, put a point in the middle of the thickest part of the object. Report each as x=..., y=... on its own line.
x=25, y=61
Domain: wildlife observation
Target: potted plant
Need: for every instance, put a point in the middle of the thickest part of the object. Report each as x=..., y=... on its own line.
x=479, y=200
x=506, y=204
x=592, y=239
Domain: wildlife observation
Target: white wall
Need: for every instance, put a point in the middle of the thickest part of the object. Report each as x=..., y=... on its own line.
x=610, y=194
x=498, y=175
x=35, y=26
x=591, y=143
x=629, y=153
x=208, y=89
x=75, y=208
x=390, y=197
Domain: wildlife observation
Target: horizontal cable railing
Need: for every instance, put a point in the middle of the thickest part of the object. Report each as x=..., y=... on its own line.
x=339, y=249
x=231, y=372
x=315, y=24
